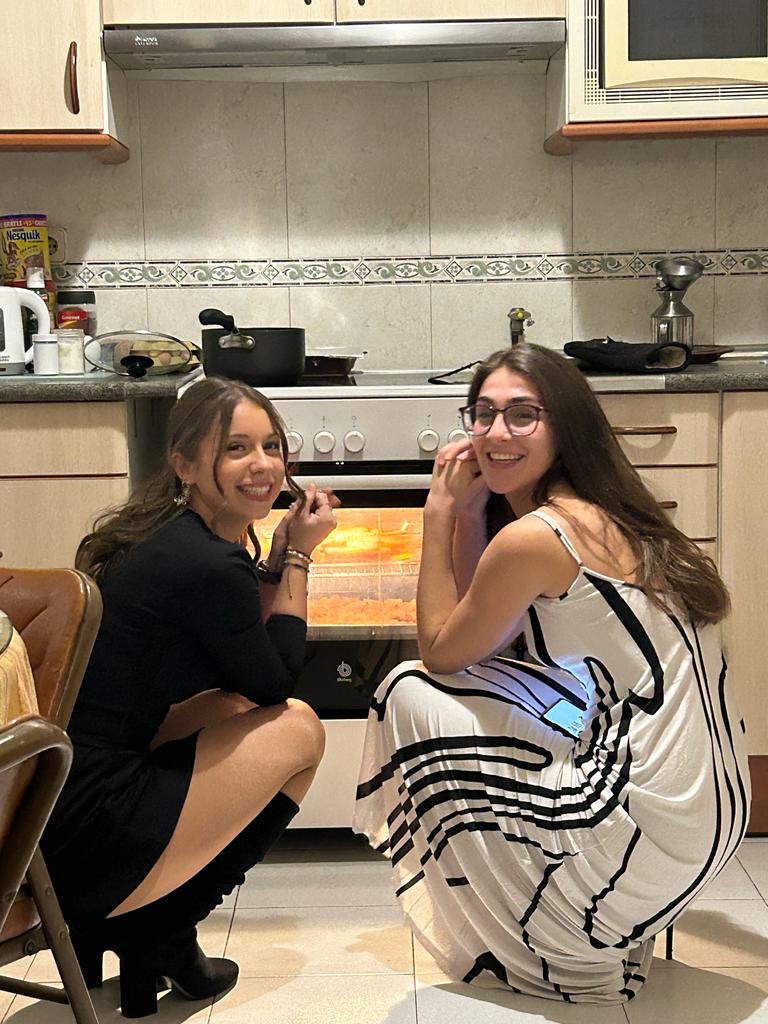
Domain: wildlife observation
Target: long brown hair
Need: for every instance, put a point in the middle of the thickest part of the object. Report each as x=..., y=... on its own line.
x=671, y=569
x=207, y=405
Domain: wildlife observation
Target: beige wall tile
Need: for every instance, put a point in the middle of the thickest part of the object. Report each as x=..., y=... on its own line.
x=214, y=169
x=121, y=309
x=390, y=322
x=493, y=189
x=174, y=310
x=741, y=310
x=623, y=308
x=469, y=321
x=357, y=168
x=742, y=192
x=644, y=194
x=98, y=204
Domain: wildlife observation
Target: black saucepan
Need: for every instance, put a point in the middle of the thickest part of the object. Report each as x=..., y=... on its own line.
x=261, y=356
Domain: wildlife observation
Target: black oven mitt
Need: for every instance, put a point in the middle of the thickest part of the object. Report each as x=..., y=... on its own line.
x=629, y=356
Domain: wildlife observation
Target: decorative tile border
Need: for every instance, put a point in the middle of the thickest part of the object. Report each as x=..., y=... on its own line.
x=378, y=270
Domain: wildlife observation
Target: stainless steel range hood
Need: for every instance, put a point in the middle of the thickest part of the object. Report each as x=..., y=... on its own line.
x=332, y=45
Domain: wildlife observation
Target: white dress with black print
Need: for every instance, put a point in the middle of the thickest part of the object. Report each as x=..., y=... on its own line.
x=527, y=858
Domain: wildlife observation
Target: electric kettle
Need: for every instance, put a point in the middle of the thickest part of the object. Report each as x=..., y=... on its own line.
x=13, y=357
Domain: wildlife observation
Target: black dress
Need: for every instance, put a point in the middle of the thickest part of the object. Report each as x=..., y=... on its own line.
x=181, y=615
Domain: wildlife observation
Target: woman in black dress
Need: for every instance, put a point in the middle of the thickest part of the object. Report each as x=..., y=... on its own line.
x=190, y=756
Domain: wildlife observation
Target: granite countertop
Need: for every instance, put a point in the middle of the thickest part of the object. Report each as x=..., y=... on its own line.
x=728, y=374
x=98, y=386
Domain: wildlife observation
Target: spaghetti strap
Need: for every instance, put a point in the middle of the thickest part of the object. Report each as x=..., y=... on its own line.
x=560, y=532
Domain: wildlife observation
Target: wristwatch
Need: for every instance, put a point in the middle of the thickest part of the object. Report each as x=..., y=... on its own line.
x=267, y=575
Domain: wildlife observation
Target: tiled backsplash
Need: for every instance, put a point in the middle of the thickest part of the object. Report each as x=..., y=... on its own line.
x=403, y=218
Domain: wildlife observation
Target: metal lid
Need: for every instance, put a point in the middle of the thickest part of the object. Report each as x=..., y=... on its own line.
x=137, y=353
x=65, y=295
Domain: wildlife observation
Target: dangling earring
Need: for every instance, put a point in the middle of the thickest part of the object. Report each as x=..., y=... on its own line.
x=182, y=498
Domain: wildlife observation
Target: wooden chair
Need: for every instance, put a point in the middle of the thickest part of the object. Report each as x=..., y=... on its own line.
x=57, y=612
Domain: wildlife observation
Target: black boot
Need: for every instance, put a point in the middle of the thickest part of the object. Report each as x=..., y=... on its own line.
x=158, y=940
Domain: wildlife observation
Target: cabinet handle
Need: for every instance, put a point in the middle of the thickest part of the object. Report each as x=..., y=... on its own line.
x=72, y=69
x=667, y=504
x=668, y=429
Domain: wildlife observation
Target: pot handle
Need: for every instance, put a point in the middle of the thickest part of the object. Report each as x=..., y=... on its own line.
x=215, y=318
x=236, y=340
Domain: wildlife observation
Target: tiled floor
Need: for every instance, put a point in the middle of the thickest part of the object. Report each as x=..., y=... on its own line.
x=320, y=940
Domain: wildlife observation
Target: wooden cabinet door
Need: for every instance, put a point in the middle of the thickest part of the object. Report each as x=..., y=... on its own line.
x=44, y=519
x=744, y=554
x=41, y=41
x=446, y=10
x=218, y=12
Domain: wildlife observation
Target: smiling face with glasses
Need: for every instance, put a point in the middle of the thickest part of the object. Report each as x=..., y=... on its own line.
x=511, y=436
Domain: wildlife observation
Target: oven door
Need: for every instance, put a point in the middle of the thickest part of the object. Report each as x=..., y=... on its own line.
x=677, y=43
x=362, y=589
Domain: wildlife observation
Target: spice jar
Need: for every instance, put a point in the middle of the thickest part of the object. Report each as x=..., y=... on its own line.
x=77, y=309
x=45, y=349
x=71, y=359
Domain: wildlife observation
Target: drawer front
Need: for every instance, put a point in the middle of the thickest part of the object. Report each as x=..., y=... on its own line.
x=693, y=491
x=63, y=439
x=45, y=519
x=659, y=430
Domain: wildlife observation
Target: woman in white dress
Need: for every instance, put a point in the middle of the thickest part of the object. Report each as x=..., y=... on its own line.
x=546, y=818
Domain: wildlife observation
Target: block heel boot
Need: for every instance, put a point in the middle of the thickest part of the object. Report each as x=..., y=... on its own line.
x=159, y=941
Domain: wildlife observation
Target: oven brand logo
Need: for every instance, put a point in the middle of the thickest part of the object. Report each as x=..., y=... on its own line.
x=343, y=672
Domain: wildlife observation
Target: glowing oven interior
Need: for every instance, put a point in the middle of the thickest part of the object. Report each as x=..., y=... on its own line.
x=363, y=579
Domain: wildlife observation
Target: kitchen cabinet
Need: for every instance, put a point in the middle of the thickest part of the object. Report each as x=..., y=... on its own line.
x=655, y=95
x=446, y=10
x=55, y=93
x=60, y=465
x=218, y=12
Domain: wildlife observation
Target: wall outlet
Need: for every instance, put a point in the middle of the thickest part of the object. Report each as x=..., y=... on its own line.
x=57, y=245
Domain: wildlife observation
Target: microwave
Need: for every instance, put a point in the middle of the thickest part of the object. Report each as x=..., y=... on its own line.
x=666, y=59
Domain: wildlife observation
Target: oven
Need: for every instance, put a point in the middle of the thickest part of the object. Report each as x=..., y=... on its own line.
x=374, y=443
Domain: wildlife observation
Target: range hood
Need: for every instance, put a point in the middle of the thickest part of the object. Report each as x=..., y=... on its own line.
x=332, y=45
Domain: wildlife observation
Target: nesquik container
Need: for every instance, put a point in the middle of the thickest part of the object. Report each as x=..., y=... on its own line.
x=24, y=245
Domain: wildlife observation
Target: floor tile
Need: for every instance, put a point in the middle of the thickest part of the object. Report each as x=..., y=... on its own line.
x=733, y=883
x=455, y=1003
x=321, y=940
x=753, y=857
x=348, y=999
x=171, y=1009
x=319, y=884
x=689, y=995
x=721, y=933
x=212, y=932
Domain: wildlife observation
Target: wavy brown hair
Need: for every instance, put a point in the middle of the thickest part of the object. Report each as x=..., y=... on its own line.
x=207, y=405
x=673, y=571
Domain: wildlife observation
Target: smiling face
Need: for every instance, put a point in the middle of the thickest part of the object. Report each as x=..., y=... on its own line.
x=513, y=464
x=250, y=472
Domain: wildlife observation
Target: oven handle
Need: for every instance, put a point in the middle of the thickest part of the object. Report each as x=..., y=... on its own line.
x=386, y=482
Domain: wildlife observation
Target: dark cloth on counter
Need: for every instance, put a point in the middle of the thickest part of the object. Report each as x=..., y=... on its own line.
x=182, y=615
x=629, y=356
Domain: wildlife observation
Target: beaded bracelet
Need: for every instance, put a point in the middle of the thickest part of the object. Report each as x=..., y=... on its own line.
x=292, y=552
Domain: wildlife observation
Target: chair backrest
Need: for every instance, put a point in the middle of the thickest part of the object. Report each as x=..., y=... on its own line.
x=35, y=756
x=57, y=612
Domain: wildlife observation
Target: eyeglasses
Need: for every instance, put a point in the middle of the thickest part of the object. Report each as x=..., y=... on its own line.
x=519, y=418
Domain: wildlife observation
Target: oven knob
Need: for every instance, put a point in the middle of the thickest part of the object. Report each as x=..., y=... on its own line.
x=295, y=442
x=354, y=441
x=457, y=435
x=428, y=440
x=324, y=442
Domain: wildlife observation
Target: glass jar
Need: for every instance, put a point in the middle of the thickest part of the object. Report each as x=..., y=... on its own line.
x=70, y=342
x=77, y=309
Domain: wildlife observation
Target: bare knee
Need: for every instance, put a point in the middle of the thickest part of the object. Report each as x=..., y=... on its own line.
x=307, y=731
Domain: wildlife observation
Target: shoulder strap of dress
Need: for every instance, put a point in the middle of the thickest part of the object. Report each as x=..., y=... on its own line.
x=559, y=531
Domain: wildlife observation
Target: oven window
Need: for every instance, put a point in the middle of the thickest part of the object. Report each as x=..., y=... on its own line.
x=697, y=29
x=363, y=579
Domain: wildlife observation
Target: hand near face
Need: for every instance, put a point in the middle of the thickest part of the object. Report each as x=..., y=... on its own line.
x=457, y=486
x=309, y=525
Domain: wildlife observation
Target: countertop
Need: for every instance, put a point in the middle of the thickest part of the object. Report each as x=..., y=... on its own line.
x=98, y=386
x=729, y=374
